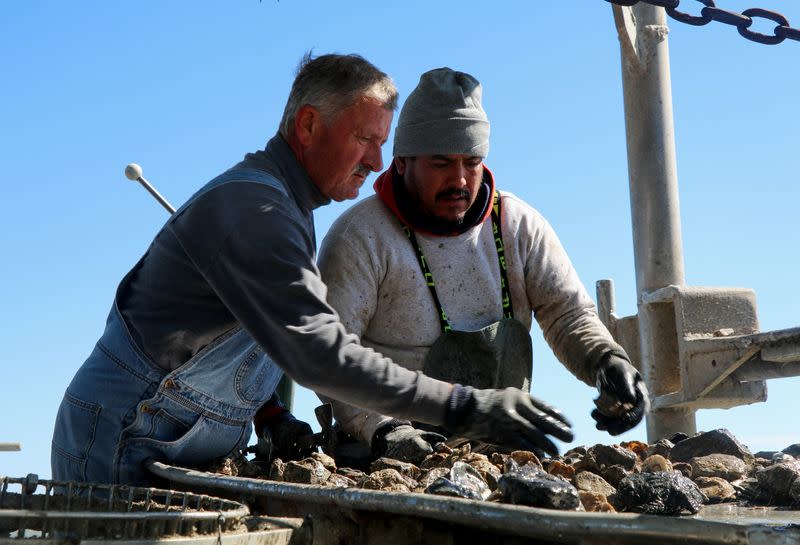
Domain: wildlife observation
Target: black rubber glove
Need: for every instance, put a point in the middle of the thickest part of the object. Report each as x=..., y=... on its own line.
x=623, y=399
x=282, y=435
x=508, y=418
x=402, y=441
x=292, y=439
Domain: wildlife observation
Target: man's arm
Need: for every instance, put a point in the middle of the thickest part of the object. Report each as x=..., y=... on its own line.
x=263, y=271
x=352, y=276
x=561, y=305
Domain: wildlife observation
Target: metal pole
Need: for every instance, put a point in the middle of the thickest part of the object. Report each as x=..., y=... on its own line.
x=655, y=209
x=10, y=447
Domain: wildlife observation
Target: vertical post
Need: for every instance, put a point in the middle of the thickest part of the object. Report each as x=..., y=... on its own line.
x=655, y=211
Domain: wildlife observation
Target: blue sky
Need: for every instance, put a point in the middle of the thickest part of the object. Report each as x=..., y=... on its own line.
x=187, y=88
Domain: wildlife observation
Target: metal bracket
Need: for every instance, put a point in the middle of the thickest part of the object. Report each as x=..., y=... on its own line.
x=721, y=360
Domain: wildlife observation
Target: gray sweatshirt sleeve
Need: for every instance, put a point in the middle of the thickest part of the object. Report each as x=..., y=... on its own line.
x=561, y=305
x=353, y=280
x=257, y=253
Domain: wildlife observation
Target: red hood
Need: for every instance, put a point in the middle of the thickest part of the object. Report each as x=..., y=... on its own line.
x=384, y=187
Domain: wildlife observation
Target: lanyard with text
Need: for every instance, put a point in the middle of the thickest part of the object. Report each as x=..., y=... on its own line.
x=497, y=232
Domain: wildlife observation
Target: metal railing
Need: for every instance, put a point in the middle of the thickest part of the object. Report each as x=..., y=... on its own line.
x=31, y=508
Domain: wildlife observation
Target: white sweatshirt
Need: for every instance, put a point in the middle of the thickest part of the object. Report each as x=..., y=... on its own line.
x=375, y=284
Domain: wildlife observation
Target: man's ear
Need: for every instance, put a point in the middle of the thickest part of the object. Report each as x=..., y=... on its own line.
x=400, y=164
x=306, y=123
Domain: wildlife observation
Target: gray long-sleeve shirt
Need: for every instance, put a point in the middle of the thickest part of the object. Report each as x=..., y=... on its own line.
x=243, y=253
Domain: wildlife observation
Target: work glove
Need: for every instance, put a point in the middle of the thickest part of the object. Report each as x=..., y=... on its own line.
x=282, y=435
x=509, y=418
x=623, y=399
x=402, y=441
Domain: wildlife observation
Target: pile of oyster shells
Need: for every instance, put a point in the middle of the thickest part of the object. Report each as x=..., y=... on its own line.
x=670, y=477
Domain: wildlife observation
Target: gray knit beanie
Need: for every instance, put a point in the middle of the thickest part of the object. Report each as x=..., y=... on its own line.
x=443, y=116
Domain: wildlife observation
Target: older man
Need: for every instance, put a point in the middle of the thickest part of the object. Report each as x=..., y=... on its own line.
x=443, y=272
x=228, y=297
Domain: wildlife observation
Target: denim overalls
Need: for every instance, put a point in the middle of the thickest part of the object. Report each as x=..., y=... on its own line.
x=121, y=408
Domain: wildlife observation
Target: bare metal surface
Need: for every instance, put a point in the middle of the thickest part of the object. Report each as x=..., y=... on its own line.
x=655, y=210
x=505, y=520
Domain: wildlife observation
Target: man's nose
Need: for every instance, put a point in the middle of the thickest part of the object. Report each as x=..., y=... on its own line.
x=373, y=158
x=459, y=174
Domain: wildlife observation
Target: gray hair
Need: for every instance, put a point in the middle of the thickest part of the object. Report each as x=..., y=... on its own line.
x=332, y=83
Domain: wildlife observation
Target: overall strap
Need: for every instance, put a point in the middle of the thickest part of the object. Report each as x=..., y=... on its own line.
x=235, y=175
x=497, y=232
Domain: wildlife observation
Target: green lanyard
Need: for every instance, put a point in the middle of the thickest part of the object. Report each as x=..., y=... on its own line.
x=508, y=311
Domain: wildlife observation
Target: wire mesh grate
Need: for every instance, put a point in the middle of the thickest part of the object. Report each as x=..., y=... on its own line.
x=33, y=508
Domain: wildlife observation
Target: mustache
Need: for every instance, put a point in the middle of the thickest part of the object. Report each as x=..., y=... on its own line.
x=453, y=194
x=362, y=170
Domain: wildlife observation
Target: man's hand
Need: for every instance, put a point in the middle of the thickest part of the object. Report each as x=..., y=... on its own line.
x=623, y=399
x=508, y=417
x=402, y=441
x=292, y=439
x=287, y=438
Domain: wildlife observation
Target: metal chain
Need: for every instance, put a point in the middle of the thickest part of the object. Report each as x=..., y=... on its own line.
x=742, y=21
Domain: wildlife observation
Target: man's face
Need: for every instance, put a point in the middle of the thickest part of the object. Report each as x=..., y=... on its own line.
x=442, y=186
x=342, y=153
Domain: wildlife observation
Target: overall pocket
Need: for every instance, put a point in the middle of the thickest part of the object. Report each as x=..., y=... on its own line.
x=205, y=441
x=74, y=434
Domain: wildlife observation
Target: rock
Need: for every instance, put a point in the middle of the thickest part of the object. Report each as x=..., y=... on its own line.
x=339, y=481
x=662, y=447
x=276, y=470
x=524, y=457
x=776, y=482
x=353, y=474
x=463, y=481
x=655, y=463
x=749, y=489
x=306, y=471
x=792, y=450
x=499, y=460
x=530, y=485
x=663, y=493
x=678, y=437
x=465, y=475
x=488, y=471
x=719, y=441
x=589, y=482
x=442, y=448
x=723, y=466
x=404, y=468
x=717, y=490
x=389, y=480
x=555, y=467
x=780, y=457
x=637, y=447
x=765, y=454
x=595, y=503
x=437, y=459
x=614, y=474
x=794, y=491
x=602, y=456
x=576, y=452
x=326, y=461
x=684, y=468
x=432, y=474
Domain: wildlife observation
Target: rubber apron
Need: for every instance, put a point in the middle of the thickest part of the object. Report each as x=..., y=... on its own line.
x=496, y=356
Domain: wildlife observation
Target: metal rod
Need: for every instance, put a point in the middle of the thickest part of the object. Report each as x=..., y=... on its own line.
x=655, y=210
x=10, y=447
x=134, y=172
